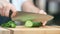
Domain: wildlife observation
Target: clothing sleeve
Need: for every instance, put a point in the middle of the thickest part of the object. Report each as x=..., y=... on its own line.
x=18, y=4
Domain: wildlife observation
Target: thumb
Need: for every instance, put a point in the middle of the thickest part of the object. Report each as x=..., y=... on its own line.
x=14, y=11
x=44, y=23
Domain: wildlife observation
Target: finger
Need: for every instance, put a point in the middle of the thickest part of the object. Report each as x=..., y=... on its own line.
x=44, y=23
x=1, y=5
x=13, y=10
x=13, y=14
x=2, y=11
x=7, y=9
x=42, y=12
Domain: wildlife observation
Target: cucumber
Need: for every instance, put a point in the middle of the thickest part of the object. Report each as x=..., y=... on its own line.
x=37, y=24
x=28, y=24
x=13, y=25
x=9, y=24
x=32, y=24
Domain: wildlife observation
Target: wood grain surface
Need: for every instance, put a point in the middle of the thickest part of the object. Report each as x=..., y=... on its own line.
x=4, y=31
x=40, y=30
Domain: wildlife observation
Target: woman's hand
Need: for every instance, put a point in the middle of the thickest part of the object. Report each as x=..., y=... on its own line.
x=43, y=12
x=28, y=6
x=5, y=8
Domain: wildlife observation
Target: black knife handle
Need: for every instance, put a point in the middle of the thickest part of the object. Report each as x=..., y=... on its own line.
x=10, y=13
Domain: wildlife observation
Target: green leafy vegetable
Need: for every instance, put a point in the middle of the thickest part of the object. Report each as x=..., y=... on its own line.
x=9, y=24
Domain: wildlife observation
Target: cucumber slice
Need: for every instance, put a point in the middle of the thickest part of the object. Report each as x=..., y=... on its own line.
x=28, y=24
x=32, y=24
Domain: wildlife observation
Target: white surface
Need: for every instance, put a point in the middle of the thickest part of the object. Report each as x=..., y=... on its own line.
x=18, y=4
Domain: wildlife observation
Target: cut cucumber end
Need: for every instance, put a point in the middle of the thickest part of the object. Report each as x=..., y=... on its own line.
x=28, y=23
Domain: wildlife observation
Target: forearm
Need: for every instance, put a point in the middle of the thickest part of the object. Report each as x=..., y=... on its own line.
x=29, y=7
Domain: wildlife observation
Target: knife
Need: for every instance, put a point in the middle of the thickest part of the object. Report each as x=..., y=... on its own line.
x=23, y=16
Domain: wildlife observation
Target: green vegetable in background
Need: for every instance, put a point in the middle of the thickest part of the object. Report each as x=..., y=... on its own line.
x=9, y=24
x=30, y=23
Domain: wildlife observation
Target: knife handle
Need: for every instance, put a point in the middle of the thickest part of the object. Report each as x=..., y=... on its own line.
x=10, y=13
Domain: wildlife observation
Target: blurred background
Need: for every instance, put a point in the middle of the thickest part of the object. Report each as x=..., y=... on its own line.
x=52, y=7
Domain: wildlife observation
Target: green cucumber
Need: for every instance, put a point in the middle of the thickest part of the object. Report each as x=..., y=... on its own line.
x=9, y=24
x=32, y=24
x=28, y=24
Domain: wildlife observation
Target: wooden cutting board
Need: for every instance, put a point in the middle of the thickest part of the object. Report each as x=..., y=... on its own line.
x=40, y=30
x=23, y=16
x=24, y=30
x=4, y=31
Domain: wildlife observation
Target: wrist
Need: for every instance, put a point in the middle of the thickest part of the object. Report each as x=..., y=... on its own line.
x=42, y=12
